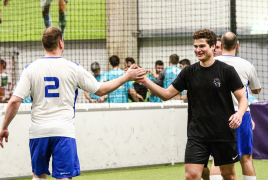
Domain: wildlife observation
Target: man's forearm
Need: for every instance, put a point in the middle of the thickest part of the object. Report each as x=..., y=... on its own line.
x=11, y=111
x=155, y=89
x=110, y=86
x=243, y=105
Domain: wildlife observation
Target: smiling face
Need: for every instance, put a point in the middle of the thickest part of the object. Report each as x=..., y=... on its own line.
x=202, y=50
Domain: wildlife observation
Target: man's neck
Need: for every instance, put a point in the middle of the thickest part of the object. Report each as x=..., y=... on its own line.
x=116, y=67
x=225, y=52
x=208, y=62
x=55, y=53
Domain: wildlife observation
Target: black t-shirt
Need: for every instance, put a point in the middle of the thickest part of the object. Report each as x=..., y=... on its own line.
x=210, y=102
x=140, y=89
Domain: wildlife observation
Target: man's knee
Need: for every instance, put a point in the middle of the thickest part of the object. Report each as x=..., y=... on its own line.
x=192, y=175
x=247, y=158
x=228, y=175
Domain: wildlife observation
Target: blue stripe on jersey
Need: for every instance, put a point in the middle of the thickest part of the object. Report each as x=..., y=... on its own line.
x=27, y=65
x=75, y=63
x=76, y=93
x=247, y=92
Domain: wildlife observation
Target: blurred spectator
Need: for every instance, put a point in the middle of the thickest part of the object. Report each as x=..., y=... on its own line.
x=183, y=63
x=6, y=83
x=99, y=75
x=159, y=66
x=139, y=87
x=218, y=50
x=169, y=74
x=120, y=95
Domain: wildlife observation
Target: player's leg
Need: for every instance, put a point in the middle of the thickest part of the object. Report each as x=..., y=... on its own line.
x=244, y=135
x=205, y=173
x=45, y=4
x=215, y=172
x=196, y=156
x=193, y=171
x=62, y=15
x=225, y=155
x=228, y=172
x=40, y=156
x=65, y=164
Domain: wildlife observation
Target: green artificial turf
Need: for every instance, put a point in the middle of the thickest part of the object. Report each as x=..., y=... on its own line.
x=165, y=172
x=22, y=20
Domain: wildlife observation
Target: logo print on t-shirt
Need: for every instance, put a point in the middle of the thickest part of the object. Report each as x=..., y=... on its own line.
x=217, y=82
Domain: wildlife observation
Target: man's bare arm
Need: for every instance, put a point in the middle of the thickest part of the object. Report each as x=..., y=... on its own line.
x=164, y=94
x=12, y=109
x=236, y=119
x=132, y=74
x=256, y=91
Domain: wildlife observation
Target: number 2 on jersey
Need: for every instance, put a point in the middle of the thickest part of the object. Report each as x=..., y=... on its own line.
x=48, y=87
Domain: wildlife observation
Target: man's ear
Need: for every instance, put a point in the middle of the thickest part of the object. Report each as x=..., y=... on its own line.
x=221, y=47
x=61, y=44
x=237, y=46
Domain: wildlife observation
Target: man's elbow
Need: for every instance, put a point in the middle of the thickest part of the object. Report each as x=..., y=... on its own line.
x=100, y=92
x=256, y=91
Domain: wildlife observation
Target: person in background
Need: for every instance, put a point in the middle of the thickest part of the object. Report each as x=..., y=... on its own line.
x=244, y=134
x=218, y=50
x=120, y=95
x=140, y=89
x=159, y=66
x=45, y=4
x=99, y=75
x=6, y=83
x=183, y=63
x=169, y=74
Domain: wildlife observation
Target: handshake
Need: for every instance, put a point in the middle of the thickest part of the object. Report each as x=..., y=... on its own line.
x=135, y=73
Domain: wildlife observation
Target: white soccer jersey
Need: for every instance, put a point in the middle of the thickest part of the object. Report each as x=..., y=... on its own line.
x=53, y=86
x=246, y=72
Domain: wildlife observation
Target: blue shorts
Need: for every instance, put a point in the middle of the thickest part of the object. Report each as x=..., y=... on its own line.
x=65, y=163
x=244, y=136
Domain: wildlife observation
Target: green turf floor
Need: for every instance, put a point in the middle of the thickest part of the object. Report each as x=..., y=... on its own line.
x=22, y=20
x=167, y=172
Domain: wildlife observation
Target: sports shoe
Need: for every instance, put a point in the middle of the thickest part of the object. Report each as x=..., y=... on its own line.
x=5, y=2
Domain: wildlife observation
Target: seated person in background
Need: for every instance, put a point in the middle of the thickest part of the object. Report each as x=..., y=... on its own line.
x=140, y=89
x=159, y=66
x=99, y=75
x=169, y=74
x=120, y=95
x=183, y=63
x=6, y=83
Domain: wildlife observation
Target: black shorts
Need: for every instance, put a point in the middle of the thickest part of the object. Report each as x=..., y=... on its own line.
x=198, y=152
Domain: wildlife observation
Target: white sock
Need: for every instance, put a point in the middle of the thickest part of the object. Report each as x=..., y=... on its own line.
x=249, y=177
x=38, y=179
x=215, y=177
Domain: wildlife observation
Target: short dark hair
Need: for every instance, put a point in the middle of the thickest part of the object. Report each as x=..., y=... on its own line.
x=114, y=60
x=51, y=37
x=130, y=59
x=95, y=67
x=209, y=35
x=174, y=59
x=159, y=62
x=185, y=61
x=219, y=39
x=4, y=63
x=229, y=41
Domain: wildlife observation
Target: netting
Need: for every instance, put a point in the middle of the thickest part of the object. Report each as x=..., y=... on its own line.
x=147, y=30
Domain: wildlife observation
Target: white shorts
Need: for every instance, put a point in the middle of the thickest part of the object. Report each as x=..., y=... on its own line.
x=45, y=3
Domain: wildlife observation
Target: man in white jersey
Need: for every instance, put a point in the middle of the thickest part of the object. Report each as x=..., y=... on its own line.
x=248, y=76
x=53, y=84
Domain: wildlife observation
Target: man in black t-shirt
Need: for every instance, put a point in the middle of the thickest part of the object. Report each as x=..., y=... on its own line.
x=211, y=116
